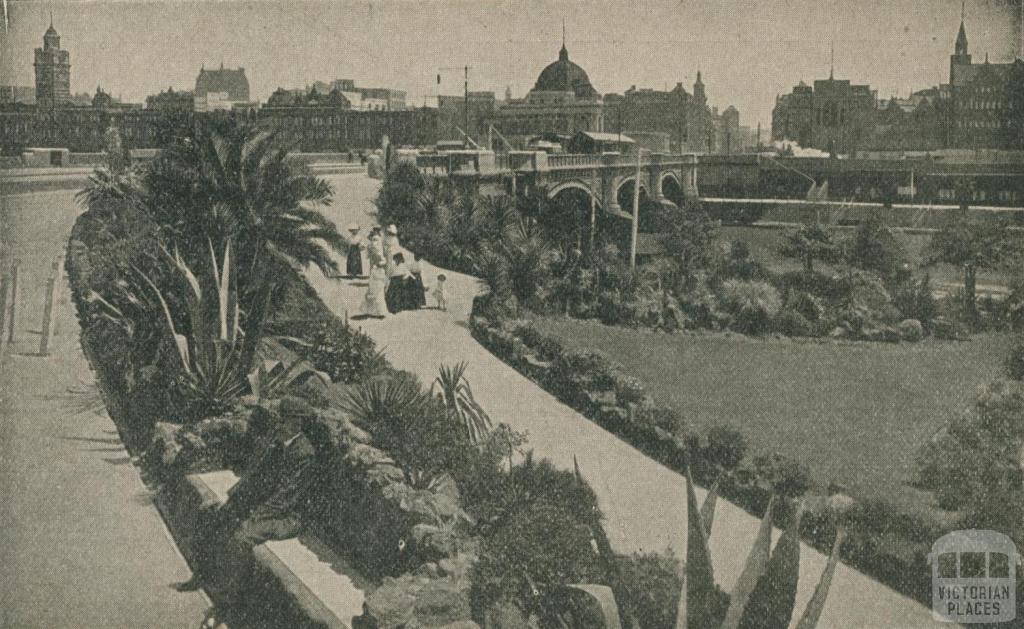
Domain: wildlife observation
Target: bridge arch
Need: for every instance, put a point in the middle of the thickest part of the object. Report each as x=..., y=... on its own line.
x=672, y=188
x=624, y=192
x=554, y=191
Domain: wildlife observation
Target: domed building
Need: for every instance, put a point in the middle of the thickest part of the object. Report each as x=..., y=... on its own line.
x=562, y=102
x=562, y=77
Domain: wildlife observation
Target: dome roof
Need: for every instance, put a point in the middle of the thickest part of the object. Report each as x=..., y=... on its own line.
x=565, y=76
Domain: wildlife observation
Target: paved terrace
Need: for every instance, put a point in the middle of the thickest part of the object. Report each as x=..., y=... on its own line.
x=644, y=502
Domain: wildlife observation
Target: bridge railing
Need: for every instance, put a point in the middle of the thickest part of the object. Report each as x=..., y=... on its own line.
x=569, y=160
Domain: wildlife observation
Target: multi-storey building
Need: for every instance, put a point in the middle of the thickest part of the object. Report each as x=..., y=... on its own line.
x=982, y=106
x=220, y=90
x=562, y=102
x=53, y=72
x=685, y=118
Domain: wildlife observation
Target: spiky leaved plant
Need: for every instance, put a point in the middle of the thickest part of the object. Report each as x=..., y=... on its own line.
x=765, y=593
x=454, y=390
x=210, y=355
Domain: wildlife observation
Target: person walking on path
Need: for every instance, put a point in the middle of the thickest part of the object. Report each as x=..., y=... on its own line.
x=374, y=304
x=417, y=274
x=391, y=247
x=354, y=260
x=402, y=287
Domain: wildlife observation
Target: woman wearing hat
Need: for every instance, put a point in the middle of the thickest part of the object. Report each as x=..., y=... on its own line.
x=391, y=247
x=374, y=304
x=354, y=261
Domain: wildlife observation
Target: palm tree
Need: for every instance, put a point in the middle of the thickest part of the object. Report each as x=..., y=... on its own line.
x=235, y=183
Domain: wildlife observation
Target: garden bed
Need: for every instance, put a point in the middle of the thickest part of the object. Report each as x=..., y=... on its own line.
x=886, y=541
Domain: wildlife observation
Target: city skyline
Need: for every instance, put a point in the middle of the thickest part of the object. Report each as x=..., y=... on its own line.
x=155, y=45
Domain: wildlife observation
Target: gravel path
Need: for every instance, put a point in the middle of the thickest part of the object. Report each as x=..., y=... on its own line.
x=643, y=502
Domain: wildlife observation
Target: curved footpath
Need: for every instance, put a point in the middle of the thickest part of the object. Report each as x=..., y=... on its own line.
x=81, y=544
x=643, y=502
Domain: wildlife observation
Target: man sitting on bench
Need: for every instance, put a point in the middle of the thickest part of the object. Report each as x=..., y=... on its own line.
x=267, y=503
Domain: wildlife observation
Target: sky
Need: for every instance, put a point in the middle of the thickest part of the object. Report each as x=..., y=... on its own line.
x=748, y=51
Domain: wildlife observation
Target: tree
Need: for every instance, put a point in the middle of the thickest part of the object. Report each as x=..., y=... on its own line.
x=688, y=235
x=230, y=181
x=809, y=243
x=874, y=248
x=971, y=244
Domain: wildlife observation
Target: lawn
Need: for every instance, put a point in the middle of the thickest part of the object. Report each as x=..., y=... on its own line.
x=765, y=243
x=855, y=413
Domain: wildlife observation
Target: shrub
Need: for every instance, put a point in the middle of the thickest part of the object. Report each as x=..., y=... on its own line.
x=343, y=353
x=818, y=284
x=792, y=323
x=651, y=584
x=752, y=304
x=914, y=300
x=726, y=447
x=539, y=538
x=775, y=473
x=911, y=330
x=628, y=390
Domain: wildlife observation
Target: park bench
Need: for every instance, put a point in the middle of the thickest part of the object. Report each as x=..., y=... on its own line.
x=301, y=581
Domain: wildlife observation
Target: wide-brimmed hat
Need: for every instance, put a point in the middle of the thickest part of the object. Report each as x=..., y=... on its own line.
x=352, y=227
x=392, y=230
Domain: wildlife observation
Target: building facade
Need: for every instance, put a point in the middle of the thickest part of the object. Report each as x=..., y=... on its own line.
x=982, y=106
x=562, y=102
x=220, y=90
x=53, y=72
x=685, y=118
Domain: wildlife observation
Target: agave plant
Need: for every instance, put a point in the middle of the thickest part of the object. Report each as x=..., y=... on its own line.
x=455, y=392
x=764, y=596
x=272, y=378
x=210, y=356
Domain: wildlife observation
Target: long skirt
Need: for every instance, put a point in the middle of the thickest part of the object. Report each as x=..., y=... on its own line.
x=421, y=291
x=401, y=294
x=354, y=261
x=374, y=303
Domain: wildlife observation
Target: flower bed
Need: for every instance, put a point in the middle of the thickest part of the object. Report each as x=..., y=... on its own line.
x=882, y=541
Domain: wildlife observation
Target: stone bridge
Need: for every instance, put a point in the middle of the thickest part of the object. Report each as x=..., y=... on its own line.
x=605, y=179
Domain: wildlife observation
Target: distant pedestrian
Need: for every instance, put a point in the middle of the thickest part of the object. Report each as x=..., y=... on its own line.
x=439, y=292
x=354, y=261
x=417, y=274
x=402, y=287
x=391, y=247
x=374, y=302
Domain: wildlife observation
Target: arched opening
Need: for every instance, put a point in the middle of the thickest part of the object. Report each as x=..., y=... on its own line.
x=624, y=195
x=671, y=190
x=569, y=216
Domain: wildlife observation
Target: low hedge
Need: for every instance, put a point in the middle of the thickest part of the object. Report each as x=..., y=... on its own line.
x=882, y=541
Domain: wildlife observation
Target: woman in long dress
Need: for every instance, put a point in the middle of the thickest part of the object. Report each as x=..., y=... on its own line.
x=401, y=285
x=391, y=247
x=374, y=304
x=354, y=260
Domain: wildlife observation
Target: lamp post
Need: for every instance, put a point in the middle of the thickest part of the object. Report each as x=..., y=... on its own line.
x=636, y=211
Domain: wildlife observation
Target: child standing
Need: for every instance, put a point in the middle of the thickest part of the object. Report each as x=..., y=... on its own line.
x=439, y=296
